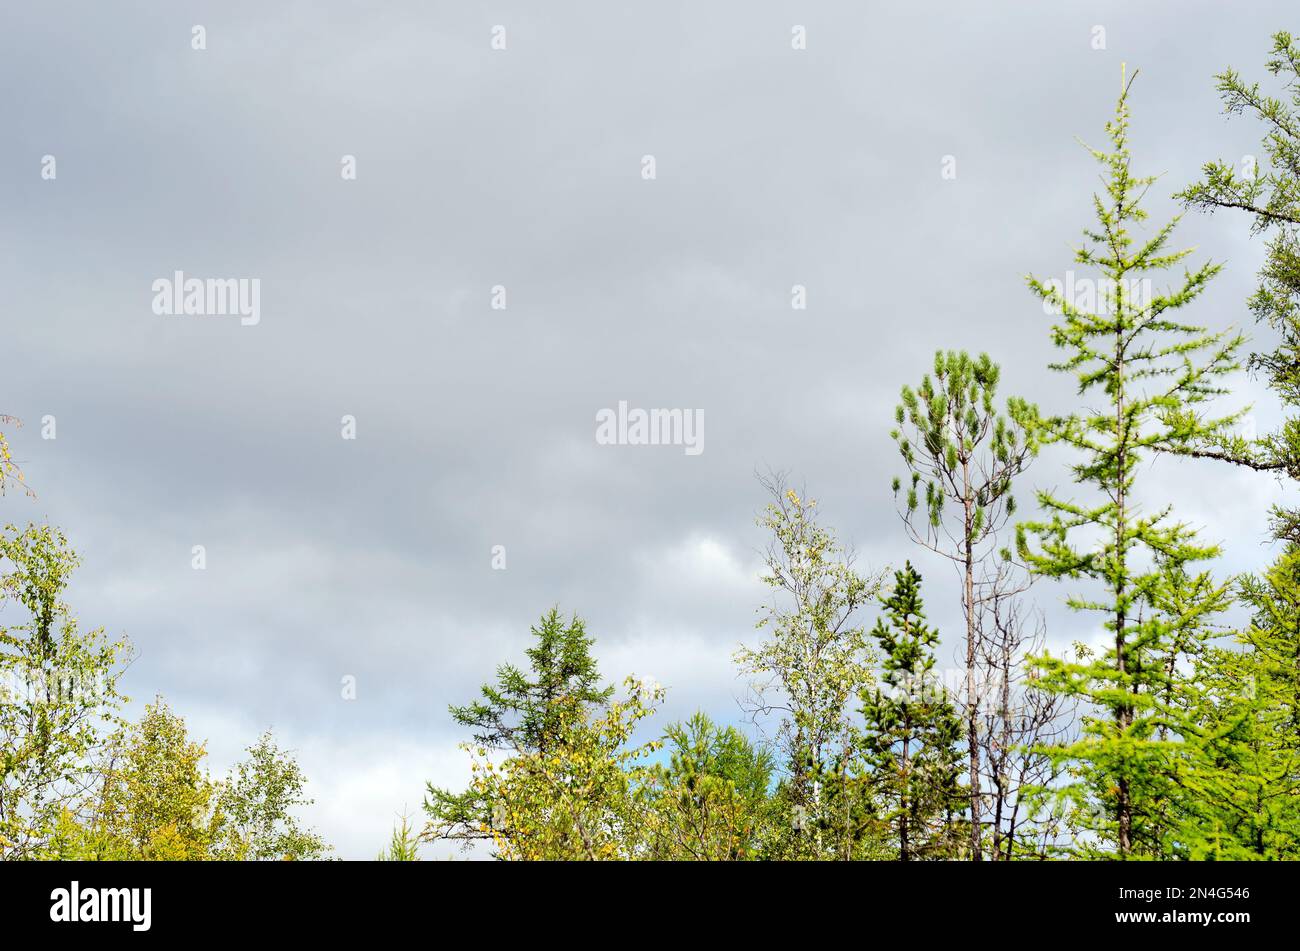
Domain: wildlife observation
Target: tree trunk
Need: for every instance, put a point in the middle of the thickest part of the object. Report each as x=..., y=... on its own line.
x=905, y=804
x=1124, y=713
x=972, y=708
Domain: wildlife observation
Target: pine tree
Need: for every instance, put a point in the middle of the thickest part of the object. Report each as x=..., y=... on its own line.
x=1154, y=372
x=953, y=439
x=710, y=802
x=911, y=729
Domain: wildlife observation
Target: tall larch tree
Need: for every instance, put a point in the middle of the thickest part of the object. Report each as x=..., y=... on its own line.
x=1152, y=373
x=1268, y=193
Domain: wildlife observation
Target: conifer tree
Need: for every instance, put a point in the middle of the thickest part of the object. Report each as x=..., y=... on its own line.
x=522, y=713
x=1153, y=371
x=1239, y=796
x=1269, y=194
x=954, y=440
x=584, y=798
x=710, y=802
x=403, y=844
x=519, y=713
x=911, y=729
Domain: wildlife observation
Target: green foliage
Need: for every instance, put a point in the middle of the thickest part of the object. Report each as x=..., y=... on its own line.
x=10, y=473
x=1189, y=747
x=1270, y=196
x=1238, y=796
x=954, y=441
x=710, y=802
x=75, y=781
x=1154, y=372
x=157, y=801
x=521, y=714
x=580, y=798
x=153, y=800
x=958, y=448
x=404, y=846
x=815, y=659
x=911, y=730
x=255, y=808
x=58, y=691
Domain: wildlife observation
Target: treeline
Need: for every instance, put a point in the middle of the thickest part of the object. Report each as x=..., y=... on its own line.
x=77, y=781
x=1176, y=738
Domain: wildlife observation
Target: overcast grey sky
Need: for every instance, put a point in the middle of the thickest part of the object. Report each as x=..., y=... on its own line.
x=522, y=167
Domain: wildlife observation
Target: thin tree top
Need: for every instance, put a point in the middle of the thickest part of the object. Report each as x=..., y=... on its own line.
x=1127, y=339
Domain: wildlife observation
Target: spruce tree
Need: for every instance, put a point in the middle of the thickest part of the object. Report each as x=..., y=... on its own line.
x=523, y=713
x=911, y=729
x=1153, y=371
x=518, y=712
